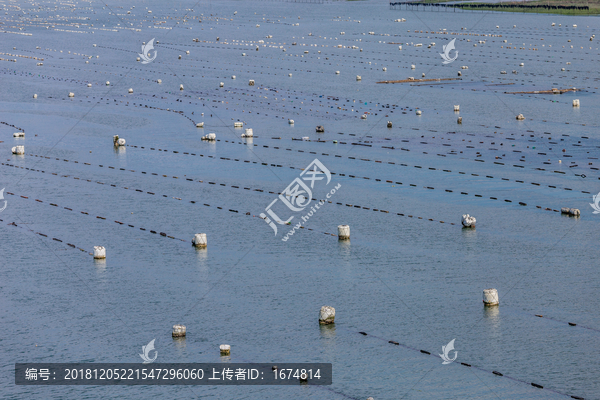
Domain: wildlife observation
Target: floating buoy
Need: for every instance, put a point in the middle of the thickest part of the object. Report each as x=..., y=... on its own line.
x=562, y=69
x=290, y=75
x=130, y=90
x=389, y=124
x=180, y=56
x=187, y=52
x=358, y=78
x=99, y=252
x=89, y=85
x=364, y=116
x=179, y=331
x=413, y=67
x=459, y=120
x=19, y=150
x=520, y=117
x=418, y=112
x=71, y=94
x=457, y=108
x=19, y=134
x=251, y=82
x=225, y=349
x=320, y=129
x=180, y=87
x=327, y=315
x=210, y=137
x=291, y=121
x=107, y=83
x=238, y=124
x=35, y=96
x=490, y=297
x=576, y=103
x=221, y=84
x=248, y=133
x=232, y=76
x=200, y=125
x=137, y=59
x=384, y=68
x=571, y=211
x=344, y=232
x=199, y=239
x=459, y=73
x=337, y=72
x=522, y=65
x=468, y=221
x=159, y=81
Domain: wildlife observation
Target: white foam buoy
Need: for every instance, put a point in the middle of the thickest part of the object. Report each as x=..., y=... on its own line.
x=130, y=90
x=107, y=83
x=19, y=134
x=179, y=330
x=384, y=69
x=199, y=239
x=571, y=211
x=117, y=141
x=490, y=297
x=326, y=315
x=200, y=125
x=232, y=76
x=320, y=128
x=344, y=232
x=290, y=75
x=358, y=78
x=248, y=133
x=413, y=67
x=251, y=82
x=35, y=96
x=71, y=94
x=576, y=103
x=305, y=138
x=522, y=65
x=180, y=87
x=221, y=84
x=19, y=150
x=364, y=116
x=337, y=72
x=389, y=124
x=457, y=108
x=225, y=349
x=418, y=112
x=468, y=221
x=238, y=124
x=159, y=81
x=520, y=117
x=291, y=121
x=89, y=85
x=210, y=137
x=179, y=57
x=99, y=252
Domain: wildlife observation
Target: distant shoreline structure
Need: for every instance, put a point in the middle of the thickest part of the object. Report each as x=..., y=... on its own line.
x=545, y=7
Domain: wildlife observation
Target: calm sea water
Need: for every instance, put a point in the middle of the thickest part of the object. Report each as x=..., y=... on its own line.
x=413, y=280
